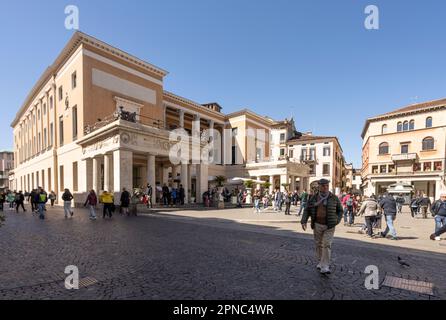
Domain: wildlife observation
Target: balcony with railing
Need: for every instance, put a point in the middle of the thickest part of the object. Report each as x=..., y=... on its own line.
x=405, y=157
x=131, y=117
x=308, y=158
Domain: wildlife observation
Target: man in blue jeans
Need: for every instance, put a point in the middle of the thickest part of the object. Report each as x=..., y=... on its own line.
x=388, y=204
x=438, y=210
x=41, y=199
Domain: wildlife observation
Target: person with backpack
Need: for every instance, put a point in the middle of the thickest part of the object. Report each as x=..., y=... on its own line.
x=388, y=204
x=67, y=197
x=19, y=200
x=52, y=198
x=325, y=211
x=414, y=206
x=125, y=201
x=350, y=205
x=91, y=202
x=303, y=202
x=41, y=199
x=438, y=210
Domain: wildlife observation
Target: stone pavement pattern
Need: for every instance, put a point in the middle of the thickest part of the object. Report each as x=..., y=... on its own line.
x=165, y=257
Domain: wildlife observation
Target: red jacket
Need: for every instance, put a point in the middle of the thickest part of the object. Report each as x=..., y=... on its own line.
x=344, y=201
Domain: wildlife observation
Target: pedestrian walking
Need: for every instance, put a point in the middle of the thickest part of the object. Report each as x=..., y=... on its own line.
x=125, y=202
x=414, y=206
x=91, y=202
x=325, y=211
x=31, y=199
x=107, y=200
x=438, y=210
x=388, y=204
x=265, y=201
x=10, y=198
x=181, y=194
x=52, y=198
x=19, y=200
x=287, y=200
x=257, y=196
x=350, y=204
x=2, y=200
x=369, y=209
x=399, y=203
x=41, y=200
x=303, y=202
x=67, y=197
x=278, y=197
x=149, y=196
x=424, y=203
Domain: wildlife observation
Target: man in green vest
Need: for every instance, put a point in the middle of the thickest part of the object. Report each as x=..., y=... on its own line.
x=326, y=212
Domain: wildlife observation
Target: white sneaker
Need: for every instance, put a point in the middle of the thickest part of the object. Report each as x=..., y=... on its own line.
x=437, y=238
x=319, y=267
x=325, y=270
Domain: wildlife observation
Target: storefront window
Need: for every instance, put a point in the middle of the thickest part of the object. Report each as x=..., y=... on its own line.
x=392, y=168
x=383, y=169
x=375, y=169
x=438, y=165
x=427, y=166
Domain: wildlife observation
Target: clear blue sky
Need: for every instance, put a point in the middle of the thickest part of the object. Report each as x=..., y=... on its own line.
x=310, y=59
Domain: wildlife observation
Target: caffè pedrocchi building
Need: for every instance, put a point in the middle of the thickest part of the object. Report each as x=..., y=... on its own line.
x=99, y=118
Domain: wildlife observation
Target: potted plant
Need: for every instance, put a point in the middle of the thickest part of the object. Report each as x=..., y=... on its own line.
x=220, y=180
x=249, y=185
x=266, y=185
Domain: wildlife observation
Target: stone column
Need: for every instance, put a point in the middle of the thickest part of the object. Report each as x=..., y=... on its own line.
x=271, y=187
x=202, y=181
x=293, y=183
x=88, y=175
x=123, y=171
x=185, y=180
x=181, y=112
x=164, y=117
x=96, y=180
x=151, y=172
x=283, y=179
x=107, y=168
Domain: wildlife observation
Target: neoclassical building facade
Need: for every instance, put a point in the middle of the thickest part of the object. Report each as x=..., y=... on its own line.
x=406, y=146
x=99, y=118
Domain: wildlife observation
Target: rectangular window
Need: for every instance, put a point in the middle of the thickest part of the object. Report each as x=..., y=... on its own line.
x=438, y=165
x=73, y=80
x=282, y=137
x=61, y=180
x=75, y=177
x=312, y=154
x=74, y=118
x=49, y=180
x=51, y=134
x=44, y=139
x=326, y=169
x=60, y=93
x=38, y=143
x=382, y=169
x=404, y=148
x=327, y=151
x=375, y=169
x=234, y=152
x=61, y=130
x=282, y=152
x=291, y=154
x=312, y=169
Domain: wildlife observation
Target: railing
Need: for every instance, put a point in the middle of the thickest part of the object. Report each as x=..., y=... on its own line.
x=404, y=156
x=308, y=158
x=122, y=115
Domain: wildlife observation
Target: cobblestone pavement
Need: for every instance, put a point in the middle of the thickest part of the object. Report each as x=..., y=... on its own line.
x=165, y=257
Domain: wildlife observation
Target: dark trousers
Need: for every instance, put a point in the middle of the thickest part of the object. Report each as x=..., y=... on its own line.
x=369, y=221
x=33, y=206
x=107, y=210
x=414, y=211
x=1, y=206
x=182, y=201
x=440, y=231
x=348, y=213
x=287, y=208
x=52, y=202
x=18, y=204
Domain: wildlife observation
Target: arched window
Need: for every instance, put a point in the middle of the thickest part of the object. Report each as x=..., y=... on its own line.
x=399, y=127
x=429, y=122
x=406, y=126
x=412, y=125
x=428, y=144
x=384, y=148
x=384, y=129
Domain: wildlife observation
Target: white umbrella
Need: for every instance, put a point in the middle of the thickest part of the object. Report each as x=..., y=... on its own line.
x=237, y=179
